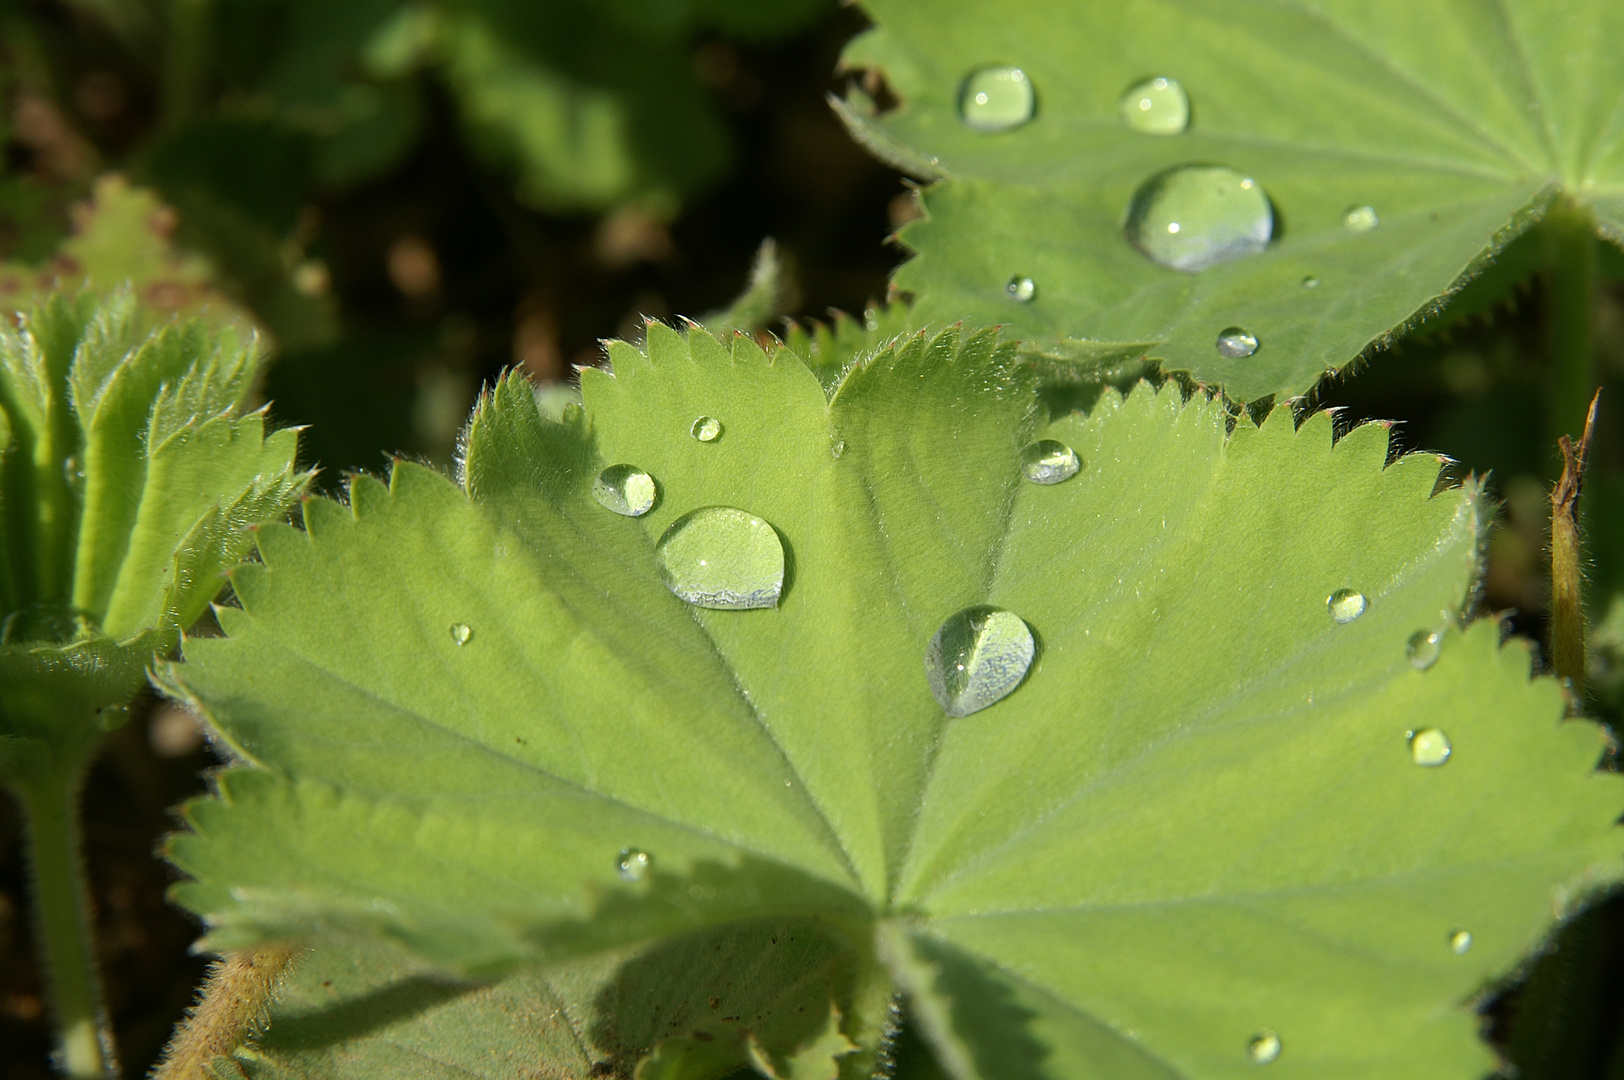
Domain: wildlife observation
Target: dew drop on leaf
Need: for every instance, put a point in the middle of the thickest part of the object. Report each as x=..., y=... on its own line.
x=1021, y=289
x=996, y=99
x=1360, y=218
x=1310, y=282
x=1429, y=747
x=461, y=632
x=1460, y=941
x=625, y=489
x=706, y=429
x=1195, y=216
x=1156, y=106
x=633, y=864
x=722, y=557
x=1264, y=1047
x=977, y=657
x=1236, y=343
x=1049, y=462
x=1346, y=605
x=1423, y=648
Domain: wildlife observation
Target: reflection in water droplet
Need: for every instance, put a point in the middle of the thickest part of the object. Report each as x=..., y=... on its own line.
x=977, y=657
x=722, y=557
x=1429, y=747
x=1310, y=282
x=1196, y=216
x=1423, y=648
x=1236, y=343
x=1264, y=1047
x=1347, y=605
x=633, y=864
x=1049, y=462
x=625, y=489
x=1460, y=941
x=706, y=429
x=996, y=99
x=461, y=632
x=1360, y=218
x=1156, y=107
x=1021, y=289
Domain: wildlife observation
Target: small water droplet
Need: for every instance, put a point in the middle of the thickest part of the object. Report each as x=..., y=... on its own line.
x=1460, y=941
x=977, y=657
x=1264, y=1047
x=837, y=447
x=1346, y=605
x=625, y=489
x=1156, y=106
x=1021, y=289
x=633, y=864
x=1360, y=218
x=461, y=632
x=722, y=557
x=73, y=471
x=1049, y=462
x=1236, y=343
x=1195, y=216
x=706, y=429
x=1429, y=747
x=996, y=99
x=1310, y=282
x=1423, y=648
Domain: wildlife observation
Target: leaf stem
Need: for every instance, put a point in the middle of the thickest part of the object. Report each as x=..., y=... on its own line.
x=232, y=1007
x=1570, y=239
x=1567, y=576
x=65, y=931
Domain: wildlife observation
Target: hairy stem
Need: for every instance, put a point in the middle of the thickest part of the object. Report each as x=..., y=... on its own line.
x=65, y=930
x=1567, y=576
x=1570, y=237
x=235, y=997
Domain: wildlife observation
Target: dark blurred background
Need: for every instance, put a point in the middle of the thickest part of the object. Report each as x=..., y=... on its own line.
x=409, y=197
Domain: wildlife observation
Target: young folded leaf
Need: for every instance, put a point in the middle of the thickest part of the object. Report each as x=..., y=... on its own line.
x=1316, y=175
x=1121, y=744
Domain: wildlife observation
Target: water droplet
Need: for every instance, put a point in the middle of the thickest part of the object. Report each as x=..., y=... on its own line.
x=625, y=489
x=1423, y=648
x=1310, y=282
x=1021, y=289
x=633, y=864
x=1049, y=462
x=461, y=632
x=1156, y=107
x=1360, y=218
x=1429, y=747
x=1264, y=1047
x=722, y=557
x=1236, y=343
x=1460, y=941
x=1196, y=216
x=977, y=657
x=706, y=429
x=1346, y=605
x=837, y=447
x=996, y=99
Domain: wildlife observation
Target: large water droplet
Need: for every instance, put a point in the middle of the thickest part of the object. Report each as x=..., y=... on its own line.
x=1196, y=216
x=1021, y=289
x=1423, y=648
x=1264, y=1047
x=1049, y=462
x=1360, y=218
x=625, y=489
x=633, y=864
x=996, y=99
x=1156, y=107
x=461, y=632
x=706, y=429
x=1429, y=747
x=722, y=557
x=1236, y=343
x=977, y=657
x=1346, y=605
x=1460, y=941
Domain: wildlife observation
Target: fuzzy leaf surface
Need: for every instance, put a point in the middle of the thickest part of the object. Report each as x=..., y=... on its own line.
x=1197, y=819
x=1455, y=122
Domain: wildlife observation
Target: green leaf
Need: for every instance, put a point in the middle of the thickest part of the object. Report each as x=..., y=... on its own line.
x=1196, y=819
x=1456, y=122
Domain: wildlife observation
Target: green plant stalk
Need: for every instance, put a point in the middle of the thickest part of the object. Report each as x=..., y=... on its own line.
x=187, y=48
x=64, y=929
x=1570, y=239
x=1567, y=570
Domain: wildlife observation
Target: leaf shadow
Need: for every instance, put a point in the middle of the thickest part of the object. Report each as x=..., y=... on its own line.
x=985, y=1013
x=381, y=1008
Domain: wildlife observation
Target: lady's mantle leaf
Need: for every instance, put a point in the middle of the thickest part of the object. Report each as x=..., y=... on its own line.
x=1197, y=819
x=1452, y=124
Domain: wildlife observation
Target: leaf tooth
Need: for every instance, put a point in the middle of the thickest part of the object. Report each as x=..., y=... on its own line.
x=624, y=359
x=322, y=516
x=276, y=542
x=706, y=351
x=366, y=494
x=666, y=346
